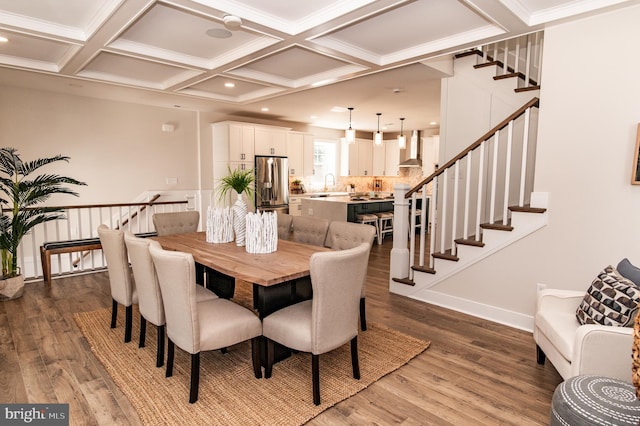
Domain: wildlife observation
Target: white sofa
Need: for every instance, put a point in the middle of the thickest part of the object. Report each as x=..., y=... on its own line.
x=576, y=349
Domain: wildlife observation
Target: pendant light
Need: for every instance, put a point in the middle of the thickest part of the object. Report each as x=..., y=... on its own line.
x=350, y=134
x=402, y=141
x=378, y=137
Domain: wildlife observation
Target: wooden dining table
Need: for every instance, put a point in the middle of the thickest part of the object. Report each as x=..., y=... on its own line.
x=273, y=275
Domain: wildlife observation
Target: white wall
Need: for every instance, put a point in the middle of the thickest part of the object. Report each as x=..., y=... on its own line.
x=117, y=148
x=589, y=111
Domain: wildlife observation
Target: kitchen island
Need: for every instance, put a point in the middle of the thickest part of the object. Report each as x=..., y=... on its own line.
x=344, y=208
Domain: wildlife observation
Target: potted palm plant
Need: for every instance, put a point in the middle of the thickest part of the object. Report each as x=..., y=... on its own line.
x=21, y=196
x=240, y=181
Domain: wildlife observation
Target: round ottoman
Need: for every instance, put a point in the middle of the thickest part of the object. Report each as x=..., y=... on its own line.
x=594, y=400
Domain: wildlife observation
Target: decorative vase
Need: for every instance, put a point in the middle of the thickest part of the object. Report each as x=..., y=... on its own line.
x=239, y=220
x=11, y=288
x=262, y=232
x=219, y=225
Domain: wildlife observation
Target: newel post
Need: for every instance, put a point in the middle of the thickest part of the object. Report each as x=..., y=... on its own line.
x=399, y=262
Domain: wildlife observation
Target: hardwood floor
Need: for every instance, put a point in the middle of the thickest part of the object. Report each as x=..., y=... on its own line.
x=475, y=372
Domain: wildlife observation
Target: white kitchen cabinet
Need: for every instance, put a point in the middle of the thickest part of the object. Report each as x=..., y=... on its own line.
x=392, y=158
x=300, y=154
x=271, y=141
x=241, y=142
x=365, y=157
x=430, y=154
x=348, y=159
x=386, y=158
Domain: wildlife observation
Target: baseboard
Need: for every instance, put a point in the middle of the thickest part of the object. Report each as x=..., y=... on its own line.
x=476, y=309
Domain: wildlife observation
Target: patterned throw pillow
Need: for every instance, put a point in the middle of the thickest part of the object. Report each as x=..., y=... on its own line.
x=610, y=300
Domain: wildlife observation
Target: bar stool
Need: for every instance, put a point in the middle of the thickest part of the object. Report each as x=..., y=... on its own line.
x=370, y=219
x=385, y=224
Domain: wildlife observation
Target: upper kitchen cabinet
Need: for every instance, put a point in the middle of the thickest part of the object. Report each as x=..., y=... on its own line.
x=357, y=158
x=300, y=153
x=271, y=141
x=430, y=154
x=386, y=158
x=233, y=142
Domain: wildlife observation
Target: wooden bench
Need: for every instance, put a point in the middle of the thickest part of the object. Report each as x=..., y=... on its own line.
x=48, y=249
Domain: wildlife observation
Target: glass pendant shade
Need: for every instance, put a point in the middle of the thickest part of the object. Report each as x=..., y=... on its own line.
x=402, y=140
x=377, y=139
x=350, y=134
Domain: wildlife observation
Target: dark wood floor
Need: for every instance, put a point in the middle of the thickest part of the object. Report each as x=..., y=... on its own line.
x=476, y=372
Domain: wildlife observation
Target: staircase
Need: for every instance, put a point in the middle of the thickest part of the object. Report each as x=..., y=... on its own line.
x=482, y=199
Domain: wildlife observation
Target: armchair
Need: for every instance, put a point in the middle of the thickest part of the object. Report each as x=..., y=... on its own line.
x=576, y=349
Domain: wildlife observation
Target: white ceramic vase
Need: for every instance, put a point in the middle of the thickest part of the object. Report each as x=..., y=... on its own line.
x=239, y=220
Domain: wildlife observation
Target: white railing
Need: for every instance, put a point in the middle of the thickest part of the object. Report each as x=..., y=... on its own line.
x=81, y=222
x=521, y=55
x=501, y=162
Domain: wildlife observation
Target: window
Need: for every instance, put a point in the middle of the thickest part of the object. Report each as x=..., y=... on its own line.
x=325, y=161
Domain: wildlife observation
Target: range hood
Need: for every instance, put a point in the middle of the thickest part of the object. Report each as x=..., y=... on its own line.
x=414, y=157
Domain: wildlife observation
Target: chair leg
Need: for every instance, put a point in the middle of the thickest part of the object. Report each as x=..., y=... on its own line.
x=114, y=313
x=143, y=332
x=315, y=373
x=195, y=377
x=355, y=364
x=160, y=352
x=128, y=323
x=171, y=348
x=540, y=355
x=363, y=315
x=270, y=355
x=255, y=356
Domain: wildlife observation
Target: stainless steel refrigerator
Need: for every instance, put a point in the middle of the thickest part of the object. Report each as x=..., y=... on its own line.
x=272, y=184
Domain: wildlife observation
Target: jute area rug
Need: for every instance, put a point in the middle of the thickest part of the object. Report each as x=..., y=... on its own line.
x=229, y=392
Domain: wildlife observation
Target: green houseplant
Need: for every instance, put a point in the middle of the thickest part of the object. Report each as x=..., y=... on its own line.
x=241, y=181
x=21, y=196
x=238, y=180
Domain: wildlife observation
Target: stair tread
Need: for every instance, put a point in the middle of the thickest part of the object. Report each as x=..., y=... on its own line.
x=471, y=241
x=528, y=88
x=527, y=209
x=488, y=64
x=423, y=269
x=446, y=256
x=498, y=226
x=406, y=281
x=468, y=53
x=509, y=75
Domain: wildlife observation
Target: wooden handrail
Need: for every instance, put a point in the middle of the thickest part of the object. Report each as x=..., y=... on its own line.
x=135, y=214
x=92, y=206
x=535, y=102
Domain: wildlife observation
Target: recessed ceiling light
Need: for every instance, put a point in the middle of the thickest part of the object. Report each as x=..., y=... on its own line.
x=338, y=109
x=218, y=33
x=433, y=123
x=265, y=109
x=229, y=84
x=3, y=39
x=313, y=117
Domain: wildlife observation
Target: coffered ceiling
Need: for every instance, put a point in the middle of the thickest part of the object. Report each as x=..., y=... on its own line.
x=297, y=58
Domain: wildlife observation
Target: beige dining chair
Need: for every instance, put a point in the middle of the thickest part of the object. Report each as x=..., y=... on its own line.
x=196, y=326
x=284, y=225
x=327, y=321
x=123, y=289
x=176, y=222
x=149, y=296
x=346, y=235
x=307, y=230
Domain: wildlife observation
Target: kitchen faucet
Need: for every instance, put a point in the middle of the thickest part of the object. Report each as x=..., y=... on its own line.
x=325, y=180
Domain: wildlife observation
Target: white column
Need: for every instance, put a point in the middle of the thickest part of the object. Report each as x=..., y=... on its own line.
x=399, y=262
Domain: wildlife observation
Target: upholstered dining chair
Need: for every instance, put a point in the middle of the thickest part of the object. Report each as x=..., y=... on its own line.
x=346, y=235
x=149, y=296
x=284, y=225
x=327, y=321
x=123, y=289
x=199, y=326
x=309, y=230
x=176, y=222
